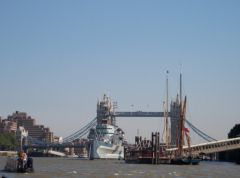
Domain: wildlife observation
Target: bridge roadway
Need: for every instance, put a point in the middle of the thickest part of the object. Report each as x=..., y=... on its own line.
x=140, y=114
x=211, y=147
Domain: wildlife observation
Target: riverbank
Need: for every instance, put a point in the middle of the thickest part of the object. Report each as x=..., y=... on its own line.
x=8, y=153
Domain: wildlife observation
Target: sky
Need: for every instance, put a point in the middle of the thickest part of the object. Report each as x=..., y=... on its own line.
x=58, y=58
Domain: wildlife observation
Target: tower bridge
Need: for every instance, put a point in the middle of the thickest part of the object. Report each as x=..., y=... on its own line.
x=211, y=146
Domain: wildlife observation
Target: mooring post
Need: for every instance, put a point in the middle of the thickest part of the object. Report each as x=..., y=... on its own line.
x=152, y=148
x=155, y=148
x=158, y=147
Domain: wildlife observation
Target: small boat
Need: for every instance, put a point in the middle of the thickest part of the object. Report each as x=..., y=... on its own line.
x=185, y=161
x=15, y=164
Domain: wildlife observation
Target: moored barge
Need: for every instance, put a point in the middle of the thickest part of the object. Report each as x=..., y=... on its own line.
x=146, y=151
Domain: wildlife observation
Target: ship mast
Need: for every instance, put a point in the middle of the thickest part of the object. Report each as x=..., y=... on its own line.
x=180, y=88
x=181, y=123
x=182, y=118
x=166, y=114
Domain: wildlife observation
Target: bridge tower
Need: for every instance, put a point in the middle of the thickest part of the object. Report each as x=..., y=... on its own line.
x=105, y=111
x=174, y=119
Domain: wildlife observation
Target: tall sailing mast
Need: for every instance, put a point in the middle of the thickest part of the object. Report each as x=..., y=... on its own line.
x=181, y=121
x=166, y=114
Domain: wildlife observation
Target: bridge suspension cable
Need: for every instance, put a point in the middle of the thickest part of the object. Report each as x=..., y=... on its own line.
x=200, y=133
x=81, y=132
x=84, y=130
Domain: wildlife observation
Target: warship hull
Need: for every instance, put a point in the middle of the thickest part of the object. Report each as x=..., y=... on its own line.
x=102, y=150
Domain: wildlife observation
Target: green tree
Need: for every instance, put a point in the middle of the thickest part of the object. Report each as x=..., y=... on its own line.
x=8, y=141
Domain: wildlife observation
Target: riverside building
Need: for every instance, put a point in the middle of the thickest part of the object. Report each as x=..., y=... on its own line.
x=7, y=126
x=35, y=131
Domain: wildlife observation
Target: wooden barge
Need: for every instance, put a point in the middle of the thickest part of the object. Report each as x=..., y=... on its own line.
x=146, y=151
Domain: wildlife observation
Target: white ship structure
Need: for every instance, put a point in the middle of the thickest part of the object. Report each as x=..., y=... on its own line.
x=106, y=139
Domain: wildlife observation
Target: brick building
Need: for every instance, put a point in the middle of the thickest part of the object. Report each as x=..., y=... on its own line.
x=35, y=131
x=7, y=126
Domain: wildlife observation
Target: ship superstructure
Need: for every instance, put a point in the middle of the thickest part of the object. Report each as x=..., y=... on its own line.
x=106, y=139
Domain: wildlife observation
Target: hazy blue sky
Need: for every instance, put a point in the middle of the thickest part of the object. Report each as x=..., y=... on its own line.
x=58, y=57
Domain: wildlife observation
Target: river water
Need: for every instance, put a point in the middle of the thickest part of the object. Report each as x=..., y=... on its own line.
x=75, y=168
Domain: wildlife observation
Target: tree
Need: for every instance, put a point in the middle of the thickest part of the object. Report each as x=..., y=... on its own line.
x=234, y=132
x=234, y=155
x=8, y=141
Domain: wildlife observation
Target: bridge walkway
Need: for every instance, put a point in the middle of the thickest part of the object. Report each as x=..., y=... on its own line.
x=211, y=147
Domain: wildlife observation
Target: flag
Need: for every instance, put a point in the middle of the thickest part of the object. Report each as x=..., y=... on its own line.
x=186, y=130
